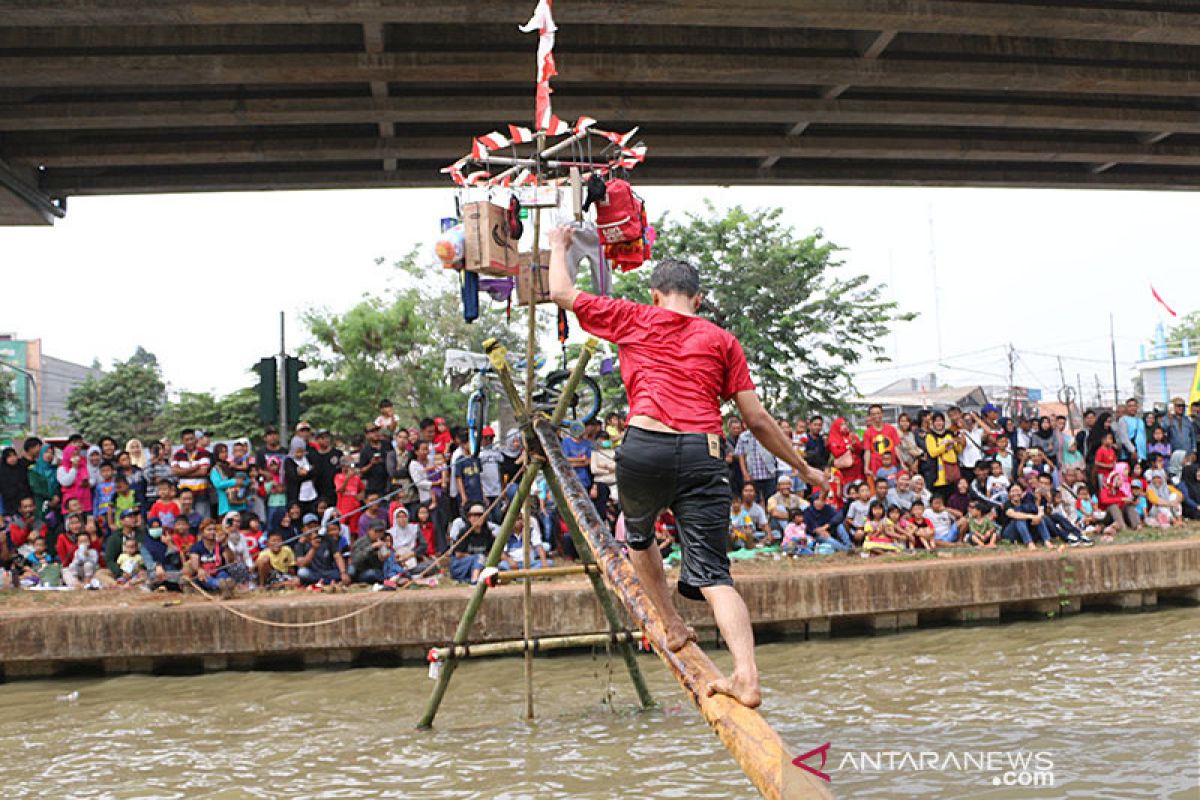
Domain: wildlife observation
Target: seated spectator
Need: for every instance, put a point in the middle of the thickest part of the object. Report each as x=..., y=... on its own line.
x=161, y=558
x=241, y=556
x=373, y=511
x=919, y=530
x=514, y=549
x=879, y=532
x=207, y=561
x=943, y=520
x=1060, y=524
x=472, y=539
x=902, y=495
x=917, y=484
x=981, y=528
x=888, y=471
x=129, y=564
x=1116, y=498
x=858, y=511
x=747, y=520
x=781, y=505
x=410, y=547
x=369, y=553
x=1022, y=519
x=188, y=511
x=823, y=523
x=319, y=559
x=129, y=530
x=83, y=570
x=165, y=508
x=1166, y=502
x=796, y=541
x=125, y=499
x=24, y=524
x=276, y=565
x=666, y=532
x=40, y=568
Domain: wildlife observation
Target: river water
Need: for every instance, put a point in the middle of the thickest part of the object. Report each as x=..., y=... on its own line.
x=1090, y=706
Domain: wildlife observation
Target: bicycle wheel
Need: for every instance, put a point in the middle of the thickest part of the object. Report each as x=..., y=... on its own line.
x=477, y=411
x=584, y=405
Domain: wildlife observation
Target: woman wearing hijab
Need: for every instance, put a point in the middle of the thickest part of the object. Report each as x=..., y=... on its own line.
x=943, y=448
x=1045, y=438
x=136, y=454
x=13, y=480
x=95, y=456
x=297, y=476
x=43, y=480
x=1116, y=497
x=846, y=449
x=73, y=478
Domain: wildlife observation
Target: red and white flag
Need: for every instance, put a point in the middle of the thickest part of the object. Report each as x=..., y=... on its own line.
x=556, y=127
x=1162, y=302
x=583, y=123
x=542, y=21
x=520, y=135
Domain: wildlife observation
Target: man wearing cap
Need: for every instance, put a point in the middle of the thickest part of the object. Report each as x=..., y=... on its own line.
x=322, y=561
x=490, y=462
x=372, y=462
x=678, y=368
x=473, y=536
x=1180, y=431
x=369, y=553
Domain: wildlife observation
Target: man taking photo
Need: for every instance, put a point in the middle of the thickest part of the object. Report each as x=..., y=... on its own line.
x=678, y=368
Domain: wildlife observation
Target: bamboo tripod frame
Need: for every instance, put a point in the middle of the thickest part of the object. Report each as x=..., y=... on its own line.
x=533, y=467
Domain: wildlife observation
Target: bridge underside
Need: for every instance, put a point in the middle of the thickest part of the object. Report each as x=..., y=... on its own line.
x=142, y=96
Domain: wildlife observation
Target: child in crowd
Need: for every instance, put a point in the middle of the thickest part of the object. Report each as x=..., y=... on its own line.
x=130, y=564
x=796, y=541
x=858, y=512
x=241, y=491
x=276, y=491
x=879, y=532
x=103, y=498
x=888, y=471
x=1003, y=455
x=182, y=537
x=276, y=565
x=349, y=487
x=997, y=484
x=165, y=508
x=741, y=527
x=1106, y=458
x=666, y=532
x=922, y=530
x=981, y=529
x=943, y=521
x=125, y=499
x=81, y=573
x=1140, y=503
x=1159, y=445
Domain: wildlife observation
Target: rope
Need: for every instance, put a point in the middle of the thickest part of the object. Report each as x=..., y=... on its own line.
x=363, y=609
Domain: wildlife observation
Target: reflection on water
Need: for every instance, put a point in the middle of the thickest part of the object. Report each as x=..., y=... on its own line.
x=1112, y=700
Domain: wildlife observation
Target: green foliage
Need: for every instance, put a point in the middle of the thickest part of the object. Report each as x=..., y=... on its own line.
x=124, y=403
x=393, y=346
x=1188, y=327
x=228, y=417
x=8, y=392
x=803, y=325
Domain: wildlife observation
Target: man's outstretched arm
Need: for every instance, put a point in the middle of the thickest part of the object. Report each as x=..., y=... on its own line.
x=562, y=288
x=767, y=431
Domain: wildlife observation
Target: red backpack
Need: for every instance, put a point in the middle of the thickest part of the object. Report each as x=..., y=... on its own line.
x=619, y=215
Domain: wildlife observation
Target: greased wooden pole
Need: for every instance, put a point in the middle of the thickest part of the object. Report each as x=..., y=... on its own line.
x=756, y=747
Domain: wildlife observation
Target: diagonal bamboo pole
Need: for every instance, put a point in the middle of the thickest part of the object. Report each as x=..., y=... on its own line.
x=756, y=747
x=468, y=617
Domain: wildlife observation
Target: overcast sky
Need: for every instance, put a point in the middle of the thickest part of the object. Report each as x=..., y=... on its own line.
x=200, y=279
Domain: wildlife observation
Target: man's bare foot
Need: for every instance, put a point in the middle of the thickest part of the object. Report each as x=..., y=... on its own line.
x=744, y=690
x=679, y=634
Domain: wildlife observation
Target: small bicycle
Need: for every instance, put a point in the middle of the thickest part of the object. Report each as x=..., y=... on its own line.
x=583, y=407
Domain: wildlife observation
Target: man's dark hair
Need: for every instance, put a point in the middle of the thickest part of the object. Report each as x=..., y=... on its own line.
x=385, y=403
x=32, y=441
x=816, y=418
x=104, y=439
x=425, y=422
x=1132, y=400
x=874, y=406
x=187, y=432
x=672, y=276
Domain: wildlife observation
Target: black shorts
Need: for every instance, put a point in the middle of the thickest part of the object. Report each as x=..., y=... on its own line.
x=659, y=471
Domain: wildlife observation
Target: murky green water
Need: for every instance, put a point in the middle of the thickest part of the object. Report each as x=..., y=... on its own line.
x=1113, y=701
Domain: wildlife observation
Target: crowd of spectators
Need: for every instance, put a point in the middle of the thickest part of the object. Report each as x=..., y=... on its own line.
x=381, y=511
x=959, y=478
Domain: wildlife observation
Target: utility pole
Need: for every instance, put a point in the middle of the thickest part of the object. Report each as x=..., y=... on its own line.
x=283, y=409
x=1099, y=393
x=1112, y=339
x=937, y=300
x=1012, y=381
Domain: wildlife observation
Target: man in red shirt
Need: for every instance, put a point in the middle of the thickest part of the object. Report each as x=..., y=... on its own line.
x=880, y=437
x=678, y=368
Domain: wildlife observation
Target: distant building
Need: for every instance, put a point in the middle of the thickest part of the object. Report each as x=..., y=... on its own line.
x=910, y=395
x=1165, y=370
x=42, y=384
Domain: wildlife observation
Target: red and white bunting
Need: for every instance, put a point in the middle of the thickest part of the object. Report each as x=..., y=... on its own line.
x=520, y=135
x=556, y=127
x=583, y=123
x=543, y=22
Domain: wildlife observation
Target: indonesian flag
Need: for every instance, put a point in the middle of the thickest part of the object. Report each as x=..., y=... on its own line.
x=484, y=144
x=555, y=126
x=543, y=22
x=1162, y=302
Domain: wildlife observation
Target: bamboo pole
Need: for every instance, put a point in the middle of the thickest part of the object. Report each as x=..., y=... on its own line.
x=756, y=747
x=535, y=645
x=512, y=575
x=468, y=617
x=573, y=381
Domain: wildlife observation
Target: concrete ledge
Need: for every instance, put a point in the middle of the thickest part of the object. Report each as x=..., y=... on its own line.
x=801, y=602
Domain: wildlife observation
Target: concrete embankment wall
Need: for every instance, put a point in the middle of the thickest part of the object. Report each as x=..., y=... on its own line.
x=879, y=596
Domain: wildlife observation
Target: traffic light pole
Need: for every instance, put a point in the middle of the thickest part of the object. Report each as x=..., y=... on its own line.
x=284, y=433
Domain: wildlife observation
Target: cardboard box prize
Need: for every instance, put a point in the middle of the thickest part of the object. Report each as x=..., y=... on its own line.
x=490, y=247
x=541, y=281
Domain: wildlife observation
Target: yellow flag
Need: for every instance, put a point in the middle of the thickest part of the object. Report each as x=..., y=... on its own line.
x=1195, y=396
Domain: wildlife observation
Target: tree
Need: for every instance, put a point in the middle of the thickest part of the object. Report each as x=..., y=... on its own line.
x=8, y=393
x=124, y=403
x=393, y=347
x=802, y=324
x=1188, y=327
x=229, y=417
